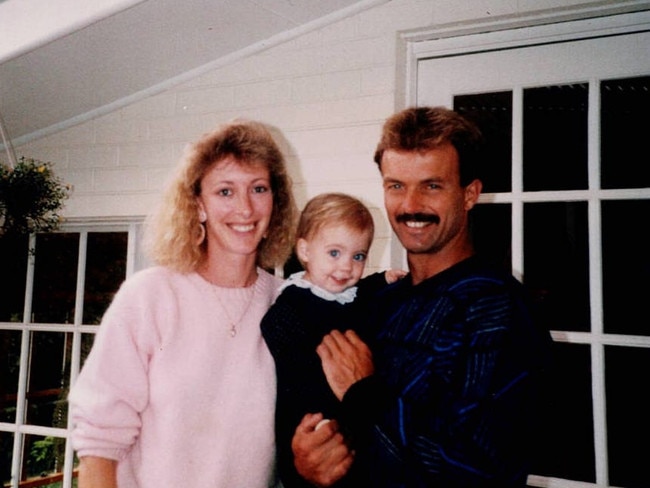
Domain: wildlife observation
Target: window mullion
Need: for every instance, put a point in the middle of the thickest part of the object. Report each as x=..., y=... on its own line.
x=517, y=183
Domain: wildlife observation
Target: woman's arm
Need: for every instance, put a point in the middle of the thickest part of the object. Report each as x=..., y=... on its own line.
x=97, y=472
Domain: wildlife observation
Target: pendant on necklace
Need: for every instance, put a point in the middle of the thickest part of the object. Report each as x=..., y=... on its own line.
x=233, y=330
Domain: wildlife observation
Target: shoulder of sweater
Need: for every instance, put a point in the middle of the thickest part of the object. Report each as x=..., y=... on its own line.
x=155, y=278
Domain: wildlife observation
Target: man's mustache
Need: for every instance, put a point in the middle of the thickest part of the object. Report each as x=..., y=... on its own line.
x=417, y=217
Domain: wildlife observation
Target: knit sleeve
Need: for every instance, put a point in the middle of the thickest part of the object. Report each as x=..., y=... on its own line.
x=112, y=388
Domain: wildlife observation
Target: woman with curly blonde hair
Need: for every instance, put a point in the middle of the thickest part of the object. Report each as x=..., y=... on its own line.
x=179, y=389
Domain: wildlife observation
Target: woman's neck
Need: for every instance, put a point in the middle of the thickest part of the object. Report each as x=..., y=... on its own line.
x=237, y=273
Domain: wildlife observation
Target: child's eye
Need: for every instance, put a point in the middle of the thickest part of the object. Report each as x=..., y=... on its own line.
x=335, y=253
x=360, y=257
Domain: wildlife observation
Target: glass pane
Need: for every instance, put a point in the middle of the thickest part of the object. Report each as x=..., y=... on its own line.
x=43, y=460
x=87, y=341
x=49, y=373
x=626, y=267
x=566, y=448
x=556, y=263
x=491, y=227
x=13, y=263
x=6, y=452
x=55, y=278
x=625, y=104
x=627, y=416
x=555, y=137
x=492, y=112
x=105, y=271
x=9, y=366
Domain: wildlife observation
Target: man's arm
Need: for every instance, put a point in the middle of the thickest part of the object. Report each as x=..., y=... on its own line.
x=346, y=359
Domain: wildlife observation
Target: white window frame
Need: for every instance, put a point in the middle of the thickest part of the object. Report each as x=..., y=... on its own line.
x=549, y=27
x=135, y=261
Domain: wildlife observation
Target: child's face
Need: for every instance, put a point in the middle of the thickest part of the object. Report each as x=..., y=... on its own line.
x=335, y=257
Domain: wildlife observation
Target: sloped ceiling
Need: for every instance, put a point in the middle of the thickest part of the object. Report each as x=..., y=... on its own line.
x=65, y=62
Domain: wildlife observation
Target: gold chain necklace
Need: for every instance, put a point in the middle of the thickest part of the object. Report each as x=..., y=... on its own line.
x=234, y=323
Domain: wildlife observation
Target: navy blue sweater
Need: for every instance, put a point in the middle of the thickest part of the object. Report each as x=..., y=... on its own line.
x=455, y=396
x=293, y=327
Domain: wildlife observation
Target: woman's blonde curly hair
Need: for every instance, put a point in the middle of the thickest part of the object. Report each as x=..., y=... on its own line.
x=173, y=232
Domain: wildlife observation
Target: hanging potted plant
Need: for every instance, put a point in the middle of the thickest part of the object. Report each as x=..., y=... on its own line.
x=31, y=197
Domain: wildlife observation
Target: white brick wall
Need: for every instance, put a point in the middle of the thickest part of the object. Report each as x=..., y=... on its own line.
x=326, y=93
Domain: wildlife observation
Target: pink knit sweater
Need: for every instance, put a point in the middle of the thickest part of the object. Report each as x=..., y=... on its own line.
x=170, y=394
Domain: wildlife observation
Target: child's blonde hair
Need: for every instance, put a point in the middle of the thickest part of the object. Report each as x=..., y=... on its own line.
x=334, y=208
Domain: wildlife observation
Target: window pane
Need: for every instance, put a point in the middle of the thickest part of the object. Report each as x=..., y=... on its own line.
x=49, y=373
x=566, y=448
x=491, y=227
x=9, y=365
x=6, y=451
x=627, y=416
x=625, y=104
x=626, y=266
x=13, y=263
x=556, y=262
x=105, y=271
x=87, y=341
x=43, y=459
x=55, y=278
x=555, y=137
x=492, y=112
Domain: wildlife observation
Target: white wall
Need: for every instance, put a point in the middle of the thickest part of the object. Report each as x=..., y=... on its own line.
x=327, y=94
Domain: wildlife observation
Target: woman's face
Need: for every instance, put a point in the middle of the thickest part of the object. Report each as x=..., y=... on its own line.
x=237, y=200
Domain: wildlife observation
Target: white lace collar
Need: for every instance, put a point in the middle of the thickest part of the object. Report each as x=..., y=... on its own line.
x=346, y=296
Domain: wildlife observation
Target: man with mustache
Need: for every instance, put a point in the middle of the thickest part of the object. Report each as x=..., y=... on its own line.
x=449, y=395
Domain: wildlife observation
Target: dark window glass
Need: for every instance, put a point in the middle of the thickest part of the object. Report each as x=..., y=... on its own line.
x=556, y=262
x=624, y=154
x=491, y=227
x=9, y=364
x=628, y=424
x=105, y=271
x=87, y=341
x=6, y=451
x=492, y=112
x=626, y=266
x=555, y=137
x=49, y=373
x=55, y=278
x=566, y=447
x=44, y=458
x=13, y=263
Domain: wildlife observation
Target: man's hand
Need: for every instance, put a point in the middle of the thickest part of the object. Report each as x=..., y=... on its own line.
x=320, y=455
x=346, y=359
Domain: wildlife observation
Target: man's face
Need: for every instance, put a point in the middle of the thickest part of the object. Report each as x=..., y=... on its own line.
x=426, y=205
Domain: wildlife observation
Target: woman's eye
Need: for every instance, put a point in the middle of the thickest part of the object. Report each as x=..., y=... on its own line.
x=359, y=257
x=335, y=253
x=225, y=192
x=260, y=189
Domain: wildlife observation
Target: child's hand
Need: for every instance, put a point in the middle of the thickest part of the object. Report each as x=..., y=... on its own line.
x=392, y=275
